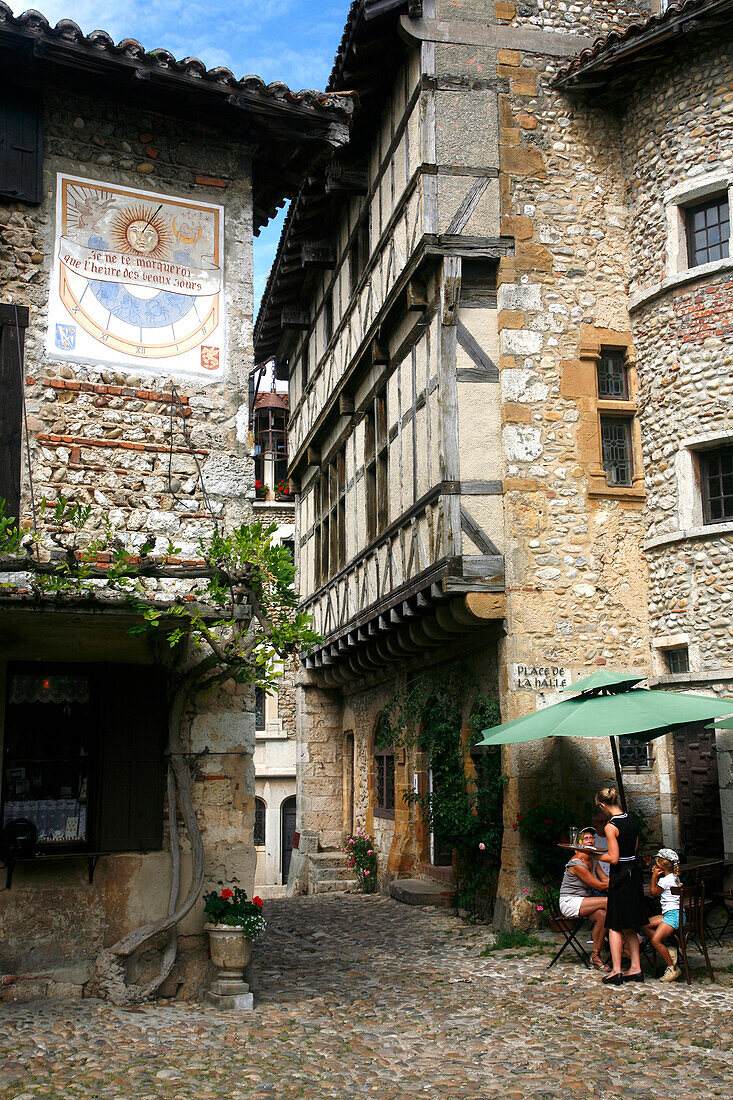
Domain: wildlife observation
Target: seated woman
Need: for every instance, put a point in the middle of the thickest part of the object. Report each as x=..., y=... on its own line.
x=576, y=894
x=665, y=875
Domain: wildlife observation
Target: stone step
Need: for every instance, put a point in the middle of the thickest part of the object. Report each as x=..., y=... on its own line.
x=327, y=859
x=333, y=874
x=419, y=891
x=331, y=887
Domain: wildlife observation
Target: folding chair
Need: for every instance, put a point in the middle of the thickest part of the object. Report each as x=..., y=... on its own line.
x=725, y=898
x=692, y=924
x=569, y=927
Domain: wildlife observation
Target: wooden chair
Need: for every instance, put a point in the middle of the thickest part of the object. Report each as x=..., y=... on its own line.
x=569, y=927
x=692, y=924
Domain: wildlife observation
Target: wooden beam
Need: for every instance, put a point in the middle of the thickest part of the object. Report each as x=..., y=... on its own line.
x=344, y=179
x=291, y=317
x=320, y=255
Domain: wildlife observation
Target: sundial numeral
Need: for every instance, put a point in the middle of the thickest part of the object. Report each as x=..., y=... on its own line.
x=142, y=351
x=104, y=336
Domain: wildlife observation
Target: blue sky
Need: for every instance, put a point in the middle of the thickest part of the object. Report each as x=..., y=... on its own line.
x=289, y=40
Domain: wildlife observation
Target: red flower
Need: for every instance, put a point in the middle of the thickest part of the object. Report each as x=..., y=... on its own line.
x=227, y=894
x=257, y=901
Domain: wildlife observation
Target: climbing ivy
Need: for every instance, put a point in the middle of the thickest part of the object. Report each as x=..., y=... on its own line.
x=462, y=811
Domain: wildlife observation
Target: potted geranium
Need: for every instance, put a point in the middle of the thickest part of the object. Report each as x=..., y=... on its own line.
x=362, y=858
x=260, y=490
x=233, y=923
x=282, y=490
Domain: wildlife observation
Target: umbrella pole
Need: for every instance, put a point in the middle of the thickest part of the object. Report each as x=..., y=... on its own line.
x=619, y=777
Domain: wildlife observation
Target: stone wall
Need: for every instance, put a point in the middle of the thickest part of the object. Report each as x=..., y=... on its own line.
x=677, y=135
x=113, y=439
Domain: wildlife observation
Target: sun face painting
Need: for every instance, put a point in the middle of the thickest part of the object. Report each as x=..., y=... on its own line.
x=137, y=280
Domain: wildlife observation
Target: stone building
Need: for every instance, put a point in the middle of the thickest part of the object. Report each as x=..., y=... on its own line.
x=130, y=187
x=673, y=114
x=451, y=303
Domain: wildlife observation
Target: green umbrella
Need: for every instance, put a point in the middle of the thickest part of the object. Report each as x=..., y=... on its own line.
x=726, y=724
x=622, y=710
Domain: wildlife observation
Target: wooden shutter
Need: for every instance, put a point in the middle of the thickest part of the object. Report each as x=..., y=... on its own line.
x=21, y=144
x=131, y=708
x=11, y=402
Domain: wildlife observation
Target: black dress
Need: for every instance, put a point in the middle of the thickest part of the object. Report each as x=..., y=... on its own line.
x=625, y=885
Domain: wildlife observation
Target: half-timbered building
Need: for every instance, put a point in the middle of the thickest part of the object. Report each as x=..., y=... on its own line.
x=449, y=301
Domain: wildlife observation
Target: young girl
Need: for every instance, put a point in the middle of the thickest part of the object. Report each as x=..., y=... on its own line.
x=665, y=875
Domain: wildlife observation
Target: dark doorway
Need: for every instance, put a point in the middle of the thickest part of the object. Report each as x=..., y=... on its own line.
x=698, y=791
x=287, y=824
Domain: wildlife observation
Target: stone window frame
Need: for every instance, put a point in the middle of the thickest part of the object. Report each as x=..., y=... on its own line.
x=690, y=514
x=594, y=341
x=660, y=645
x=677, y=200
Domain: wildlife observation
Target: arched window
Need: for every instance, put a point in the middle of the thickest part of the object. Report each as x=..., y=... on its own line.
x=384, y=778
x=259, y=837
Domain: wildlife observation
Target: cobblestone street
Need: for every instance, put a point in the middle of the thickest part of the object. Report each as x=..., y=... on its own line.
x=365, y=997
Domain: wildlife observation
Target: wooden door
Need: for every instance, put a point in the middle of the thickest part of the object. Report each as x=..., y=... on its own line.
x=287, y=816
x=698, y=791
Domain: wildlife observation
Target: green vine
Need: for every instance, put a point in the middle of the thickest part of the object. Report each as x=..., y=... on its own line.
x=463, y=812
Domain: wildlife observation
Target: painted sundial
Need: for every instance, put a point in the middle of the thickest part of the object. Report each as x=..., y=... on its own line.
x=137, y=279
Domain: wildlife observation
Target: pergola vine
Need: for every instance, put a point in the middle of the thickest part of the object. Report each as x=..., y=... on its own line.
x=229, y=614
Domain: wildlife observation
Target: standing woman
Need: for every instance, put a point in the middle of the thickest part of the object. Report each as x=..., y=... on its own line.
x=625, y=913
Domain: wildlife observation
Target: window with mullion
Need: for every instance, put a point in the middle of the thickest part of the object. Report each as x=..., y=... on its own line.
x=716, y=468
x=707, y=226
x=616, y=449
x=613, y=384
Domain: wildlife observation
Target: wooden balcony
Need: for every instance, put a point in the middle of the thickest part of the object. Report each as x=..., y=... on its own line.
x=410, y=590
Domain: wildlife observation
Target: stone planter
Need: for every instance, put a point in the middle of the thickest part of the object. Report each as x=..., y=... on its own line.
x=231, y=950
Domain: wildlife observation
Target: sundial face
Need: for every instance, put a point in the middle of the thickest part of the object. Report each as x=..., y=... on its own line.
x=142, y=237
x=138, y=279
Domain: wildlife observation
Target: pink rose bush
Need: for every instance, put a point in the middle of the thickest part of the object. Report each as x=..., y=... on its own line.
x=362, y=858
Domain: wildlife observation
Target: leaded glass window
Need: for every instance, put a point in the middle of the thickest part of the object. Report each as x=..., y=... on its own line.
x=716, y=468
x=259, y=836
x=259, y=709
x=616, y=449
x=612, y=376
x=708, y=231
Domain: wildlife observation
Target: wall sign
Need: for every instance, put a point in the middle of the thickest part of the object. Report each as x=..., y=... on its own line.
x=137, y=279
x=540, y=677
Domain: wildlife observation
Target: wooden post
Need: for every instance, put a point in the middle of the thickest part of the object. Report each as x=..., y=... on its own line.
x=619, y=777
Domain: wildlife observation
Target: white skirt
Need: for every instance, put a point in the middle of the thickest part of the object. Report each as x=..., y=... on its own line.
x=570, y=905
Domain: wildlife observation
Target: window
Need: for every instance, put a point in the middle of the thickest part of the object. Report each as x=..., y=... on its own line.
x=11, y=405
x=633, y=753
x=21, y=144
x=707, y=226
x=327, y=320
x=384, y=774
x=677, y=660
x=330, y=519
x=616, y=449
x=259, y=832
x=271, y=440
x=83, y=755
x=613, y=383
x=359, y=252
x=716, y=476
x=259, y=708
x=376, y=447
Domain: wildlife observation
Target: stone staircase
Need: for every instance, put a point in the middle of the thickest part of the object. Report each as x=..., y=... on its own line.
x=328, y=873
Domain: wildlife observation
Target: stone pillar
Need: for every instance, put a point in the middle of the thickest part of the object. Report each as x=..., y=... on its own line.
x=319, y=766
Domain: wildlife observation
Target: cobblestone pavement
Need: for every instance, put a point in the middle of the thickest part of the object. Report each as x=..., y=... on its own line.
x=365, y=997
